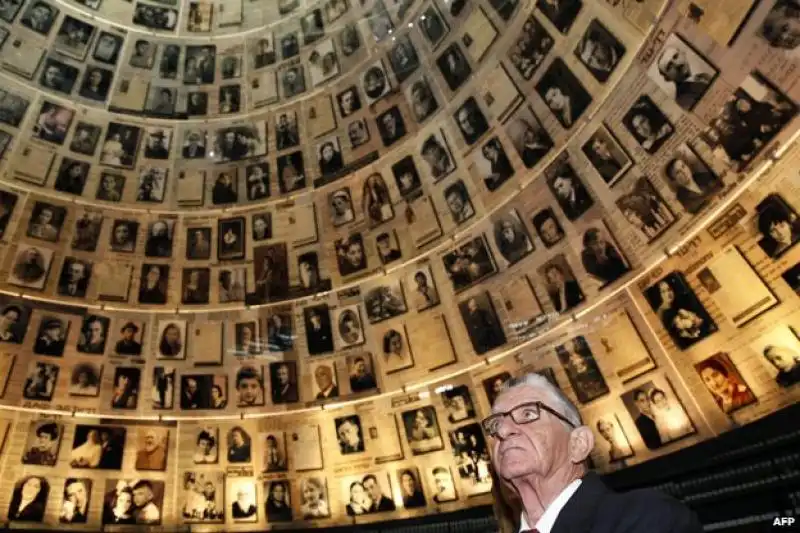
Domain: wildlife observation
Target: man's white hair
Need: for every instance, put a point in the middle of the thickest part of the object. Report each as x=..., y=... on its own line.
x=560, y=402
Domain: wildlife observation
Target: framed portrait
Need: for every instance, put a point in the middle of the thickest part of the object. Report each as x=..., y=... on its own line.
x=325, y=385
x=682, y=72
x=46, y=221
x=291, y=172
x=561, y=14
x=239, y=445
x=349, y=39
x=469, y=263
x=85, y=380
x=349, y=326
x=406, y=176
x=152, y=184
x=391, y=126
x=195, y=286
x=312, y=26
x=410, y=483
x=293, y=81
x=340, y=204
x=171, y=340
x=423, y=293
x=568, y=189
x=385, y=301
x=645, y=210
x=230, y=239
x=126, y=390
x=155, y=18
x=423, y=433
x=403, y=58
x=421, y=99
x=779, y=349
x=396, y=349
x=162, y=390
x=437, y=155
x=15, y=318
x=40, y=381
x=279, y=329
x=97, y=447
x=58, y=76
x=454, y=66
x=278, y=505
x=380, y=23
x=13, y=108
x=349, y=434
x=612, y=438
x=458, y=403
x=314, y=502
x=319, y=333
x=351, y=256
x=31, y=266
x=53, y=123
x=563, y=93
x=432, y=25
x=42, y=443
x=375, y=82
x=510, y=236
x=206, y=451
x=441, y=479
x=600, y=256
x=203, y=499
x=482, y=323
x=606, y=155
x=367, y=493
x=33, y=511
x=323, y=63
x=471, y=459
x=471, y=121
x=725, y=275
x=529, y=138
x=73, y=38
x=250, y=386
x=778, y=224
x=283, y=380
x=581, y=367
x=658, y=413
x=492, y=165
x=648, y=125
x=107, y=48
x=147, y=492
x=151, y=449
x=562, y=286
x=361, y=373
x=680, y=311
x=724, y=382
x=691, y=179
x=75, y=501
x=51, y=336
x=74, y=278
x=599, y=51
x=120, y=145
x=10, y=10
x=275, y=458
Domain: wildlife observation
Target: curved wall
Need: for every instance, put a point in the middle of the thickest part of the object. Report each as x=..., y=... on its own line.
x=168, y=276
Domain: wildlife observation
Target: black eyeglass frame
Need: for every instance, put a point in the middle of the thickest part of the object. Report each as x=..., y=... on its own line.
x=517, y=409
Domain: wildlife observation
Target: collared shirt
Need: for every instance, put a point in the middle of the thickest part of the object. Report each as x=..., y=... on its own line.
x=548, y=518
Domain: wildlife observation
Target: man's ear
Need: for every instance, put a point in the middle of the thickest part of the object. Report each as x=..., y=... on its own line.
x=581, y=444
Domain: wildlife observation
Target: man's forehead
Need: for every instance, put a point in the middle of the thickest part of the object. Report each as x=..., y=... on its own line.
x=510, y=398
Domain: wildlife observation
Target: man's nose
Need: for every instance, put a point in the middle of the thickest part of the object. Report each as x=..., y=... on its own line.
x=506, y=428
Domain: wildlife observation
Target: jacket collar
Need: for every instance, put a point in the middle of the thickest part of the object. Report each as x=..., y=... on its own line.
x=579, y=512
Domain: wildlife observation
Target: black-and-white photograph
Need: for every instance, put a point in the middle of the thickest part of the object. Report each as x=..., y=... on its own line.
x=13, y=108
x=391, y=126
x=529, y=137
x=422, y=291
x=349, y=39
x=171, y=339
x=396, y=350
x=454, y=66
x=107, y=48
x=135, y=501
x=98, y=447
x=569, y=191
x=290, y=44
x=261, y=227
x=125, y=393
x=601, y=257
x=349, y=326
x=385, y=301
x=313, y=27
x=158, y=142
x=334, y=9
x=493, y=165
x=562, y=13
x=154, y=17
x=287, y=6
x=42, y=444
x=657, y=412
x=40, y=381
x=469, y=263
x=278, y=504
x=8, y=201
x=329, y=158
x=388, y=247
x=244, y=507
x=29, y=499
x=458, y=202
x=437, y=155
x=120, y=145
x=85, y=139
x=380, y=23
x=240, y=142
x=375, y=82
x=226, y=188
x=286, y=130
x=39, y=17
x=561, y=285
x=230, y=238
x=14, y=319
x=411, y=486
x=341, y=207
x=682, y=72
x=645, y=210
x=310, y=278
x=271, y=272
x=263, y=51
x=691, y=179
x=423, y=433
x=75, y=276
x=584, y=374
x=648, y=124
x=530, y=48
x=231, y=284
x=46, y=221
x=349, y=434
x=203, y=497
x=293, y=81
x=319, y=333
x=403, y=58
x=779, y=28
x=257, y=181
x=326, y=384
x=349, y=101
x=599, y=51
x=510, y=236
x=432, y=25
x=93, y=334
x=351, y=256
x=778, y=224
x=58, y=76
x=159, y=238
x=143, y=55
x=283, y=382
x=131, y=337
x=123, y=235
x=680, y=311
x=9, y=9
x=52, y=336
x=230, y=99
x=291, y=172
x=194, y=144
x=563, y=93
x=323, y=64
x=160, y=101
x=53, y=123
x=376, y=202
x=71, y=176
x=607, y=155
x=96, y=84
x=280, y=334
x=231, y=66
x=204, y=391
x=73, y=38
x=249, y=386
x=246, y=340
x=471, y=121
x=75, y=501
x=458, y=403
x=31, y=267
x=482, y=323
x=406, y=176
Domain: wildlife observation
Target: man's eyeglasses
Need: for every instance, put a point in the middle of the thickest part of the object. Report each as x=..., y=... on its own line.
x=522, y=414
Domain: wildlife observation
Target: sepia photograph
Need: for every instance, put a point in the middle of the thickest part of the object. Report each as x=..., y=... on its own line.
x=658, y=413
x=349, y=434
x=607, y=155
x=29, y=498
x=529, y=137
x=779, y=350
x=171, y=340
x=367, y=493
x=319, y=334
x=423, y=433
x=31, y=266
x=411, y=489
x=283, y=382
x=458, y=403
x=195, y=286
x=349, y=326
x=601, y=257
x=275, y=459
x=682, y=72
x=162, y=391
x=778, y=224
x=125, y=393
x=469, y=263
x=361, y=373
x=421, y=99
x=98, y=447
x=396, y=349
x=14, y=318
x=53, y=123
x=206, y=449
x=203, y=497
x=74, y=278
x=645, y=210
x=75, y=502
x=680, y=311
x=42, y=444
x=384, y=301
x=137, y=501
x=421, y=285
x=561, y=13
x=561, y=285
x=93, y=334
x=58, y=76
x=204, y=391
x=120, y=145
x=40, y=381
x=599, y=51
x=510, y=236
x=314, y=498
x=454, y=67
x=581, y=367
x=249, y=386
x=277, y=505
x=530, y=48
x=724, y=382
x=691, y=179
x=52, y=335
x=391, y=126
x=612, y=438
x=471, y=458
x=482, y=323
x=151, y=449
x=648, y=125
x=563, y=93
x=325, y=385
x=471, y=121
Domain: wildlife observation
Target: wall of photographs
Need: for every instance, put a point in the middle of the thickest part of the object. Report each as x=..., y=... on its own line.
x=259, y=272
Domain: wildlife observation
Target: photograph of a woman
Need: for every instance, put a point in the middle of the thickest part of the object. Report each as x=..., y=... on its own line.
x=681, y=313
x=422, y=430
x=171, y=342
x=313, y=498
x=29, y=499
x=724, y=382
x=278, y=506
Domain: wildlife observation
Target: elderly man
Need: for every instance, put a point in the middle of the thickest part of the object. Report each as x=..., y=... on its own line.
x=153, y=455
x=539, y=451
x=673, y=64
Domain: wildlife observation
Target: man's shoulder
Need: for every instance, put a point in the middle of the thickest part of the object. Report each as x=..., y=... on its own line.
x=649, y=510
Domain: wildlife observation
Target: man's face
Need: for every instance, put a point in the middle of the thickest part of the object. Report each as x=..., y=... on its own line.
x=682, y=173
x=373, y=489
x=45, y=216
x=600, y=147
x=76, y=272
x=43, y=441
x=248, y=390
x=562, y=186
x=142, y=496
x=150, y=442
x=361, y=368
x=76, y=493
x=554, y=276
x=781, y=232
x=390, y=125
x=539, y=448
x=674, y=65
x=555, y=99
x=324, y=377
x=455, y=203
x=191, y=386
x=283, y=375
x=96, y=330
x=278, y=492
x=642, y=403
x=354, y=254
x=53, y=333
x=348, y=433
x=465, y=123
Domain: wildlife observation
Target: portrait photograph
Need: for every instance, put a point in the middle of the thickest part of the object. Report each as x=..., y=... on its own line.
x=73, y=38
x=341, y=207
x=396, y=349
x=440, y=478
x=349, y=434
x=71, y=176
x=98, y=447
x=75, y=501
x=421, y=286
x=351, y=256
x=239, y=445
x=155, y=18
x=289, y=40
x=406, y=176
x=171, y=340
x=283, y=382
x=246, y=338
x=471, y=121
x=607, y=155
x=560, y=13
x=87, y=231
x=40, y=381
x=293, y=81
x=611, y=438
x=563, y=93
x=724, y=382
x=14, y=318
x=107, y=48
x=581, y=367
x=648, y=125
x=323, y=63
x=194, y=144
x=437, y=155
x=403, y=58
x=568, y=189
x=599, y=51
x=291, y=172
x=286, y=130
x=529, y=138
x=645, y=210
x=454, y=66
x=411, y=489
x=13, y=108
x=384, y=301
x=10, y=9
x=367, y=494
x=361, y=373
x=349, y=326
x=85, y=380
x=329, y=159
x=231, y=284
x=143, y=54
x=277, y=504
x=29, y=499
x=137, y=502
x=469, y=263
x=206, y=451
x=120, y=145
x=249, y=386
x=31, y=267
x=53, y=123
x=58, y=76
x=151, y=449
x=314, y=498
x=510, y=236
x=680, y=311
x=271, y=272
x=562, y=287
x=391, y=126
x=125, y=394
x=458, y=403
x=153, y=284
x=723, y=278
x=279, y=328
x=275, y=458
x=240, y=142
x=312, y=25
x=423, y=433
x=349, y=39
x=421, y=99
x=348, y=101
x=778, y=224
x=691, y=179
x=204, y=391
x=74, y=278
x=96, y=84
x=195, y=286
x=162, y=390
x=682, y=72
x=482, y=323
x=319, y=334
x=492, y=165
x=46, y=221
x=658, y=413
x=375, y=82
x=779, y=351
x=531, y=48
x=42, y=444
x=230, y=239
x=203, y=497
x=152, y=185
x=93, y=334
x=51, y=336
x=601, y=257
x=325, y=385
x=257, y=181
x=158, y=142
x=85, y=139
x=471, y=459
